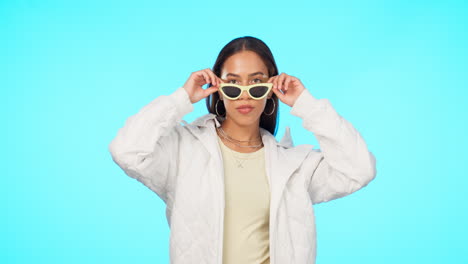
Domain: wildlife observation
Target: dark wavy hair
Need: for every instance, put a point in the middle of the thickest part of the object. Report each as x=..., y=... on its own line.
x=268, y=122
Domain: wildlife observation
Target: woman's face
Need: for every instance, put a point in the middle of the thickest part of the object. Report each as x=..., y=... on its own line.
x=244, y=68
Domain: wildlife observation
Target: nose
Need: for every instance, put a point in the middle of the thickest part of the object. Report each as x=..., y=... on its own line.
x=245, y=95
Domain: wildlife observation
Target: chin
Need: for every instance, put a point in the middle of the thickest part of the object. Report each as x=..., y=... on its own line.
x=245, y=120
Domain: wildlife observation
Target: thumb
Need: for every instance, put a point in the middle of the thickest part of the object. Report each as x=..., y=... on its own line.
x=279, y=94
x=210, y=90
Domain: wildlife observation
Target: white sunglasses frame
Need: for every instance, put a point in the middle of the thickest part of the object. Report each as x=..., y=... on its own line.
x=246, y=88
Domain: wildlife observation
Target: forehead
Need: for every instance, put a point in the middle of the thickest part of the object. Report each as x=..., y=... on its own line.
x=243, y=64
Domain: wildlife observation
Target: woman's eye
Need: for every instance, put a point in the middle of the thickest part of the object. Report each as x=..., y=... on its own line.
x=232, y=81
x=257, y=80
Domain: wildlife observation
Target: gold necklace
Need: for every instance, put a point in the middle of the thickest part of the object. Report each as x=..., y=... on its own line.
x=230, y=139
x=239, y=163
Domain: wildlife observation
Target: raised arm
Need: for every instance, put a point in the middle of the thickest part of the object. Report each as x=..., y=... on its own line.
x=346, y=164
x=146, y=146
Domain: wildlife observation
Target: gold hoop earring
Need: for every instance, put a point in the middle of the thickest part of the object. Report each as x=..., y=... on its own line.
x=216, y=107
x=273, y=110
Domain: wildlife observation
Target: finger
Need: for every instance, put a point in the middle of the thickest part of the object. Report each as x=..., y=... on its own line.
x=275, y=82
x=278, y=82
x=286, y=83
x=296, y=81
x=212, y=76
x=276, y=88
x=217, y=80
x=206, y=77
x=281, y=80
x=195, y=76
x=278, y=93
x=210, y=90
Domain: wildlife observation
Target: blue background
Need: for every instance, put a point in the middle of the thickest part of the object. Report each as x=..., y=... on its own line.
x=72, y=72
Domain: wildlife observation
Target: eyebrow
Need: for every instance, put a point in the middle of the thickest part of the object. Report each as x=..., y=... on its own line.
x=250, y=75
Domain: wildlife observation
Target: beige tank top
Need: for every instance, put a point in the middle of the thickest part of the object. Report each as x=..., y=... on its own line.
x=247, y=208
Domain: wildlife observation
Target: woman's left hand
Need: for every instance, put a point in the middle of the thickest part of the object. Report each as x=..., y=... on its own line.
x=287, y=88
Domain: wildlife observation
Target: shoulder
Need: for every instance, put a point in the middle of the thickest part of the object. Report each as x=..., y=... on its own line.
x=197, y=130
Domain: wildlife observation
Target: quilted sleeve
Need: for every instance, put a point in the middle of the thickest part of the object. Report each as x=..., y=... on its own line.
x=346, y=165
x=146, y=146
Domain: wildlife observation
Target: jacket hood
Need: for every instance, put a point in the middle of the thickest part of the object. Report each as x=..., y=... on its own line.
x=203, y=121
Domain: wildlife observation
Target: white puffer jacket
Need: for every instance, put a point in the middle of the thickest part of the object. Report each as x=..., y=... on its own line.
x=182, y=164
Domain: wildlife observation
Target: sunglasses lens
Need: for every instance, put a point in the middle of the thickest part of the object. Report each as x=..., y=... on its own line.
x=258, y=91
x=231, y=91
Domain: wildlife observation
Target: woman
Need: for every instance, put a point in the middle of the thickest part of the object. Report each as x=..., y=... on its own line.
x=233, y=193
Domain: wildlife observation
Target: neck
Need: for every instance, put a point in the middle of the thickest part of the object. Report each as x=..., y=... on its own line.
x=242, y=132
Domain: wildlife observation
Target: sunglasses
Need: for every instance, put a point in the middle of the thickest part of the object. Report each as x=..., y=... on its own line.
x=256, y=91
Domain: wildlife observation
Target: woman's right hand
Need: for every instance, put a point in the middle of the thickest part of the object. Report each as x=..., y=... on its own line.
x=197, y=79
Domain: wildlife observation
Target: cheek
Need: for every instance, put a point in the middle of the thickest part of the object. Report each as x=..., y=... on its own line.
x=260, y=105
x=227, y=104
x=230, y=107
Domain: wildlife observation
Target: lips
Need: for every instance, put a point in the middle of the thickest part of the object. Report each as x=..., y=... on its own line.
x=245, y=109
